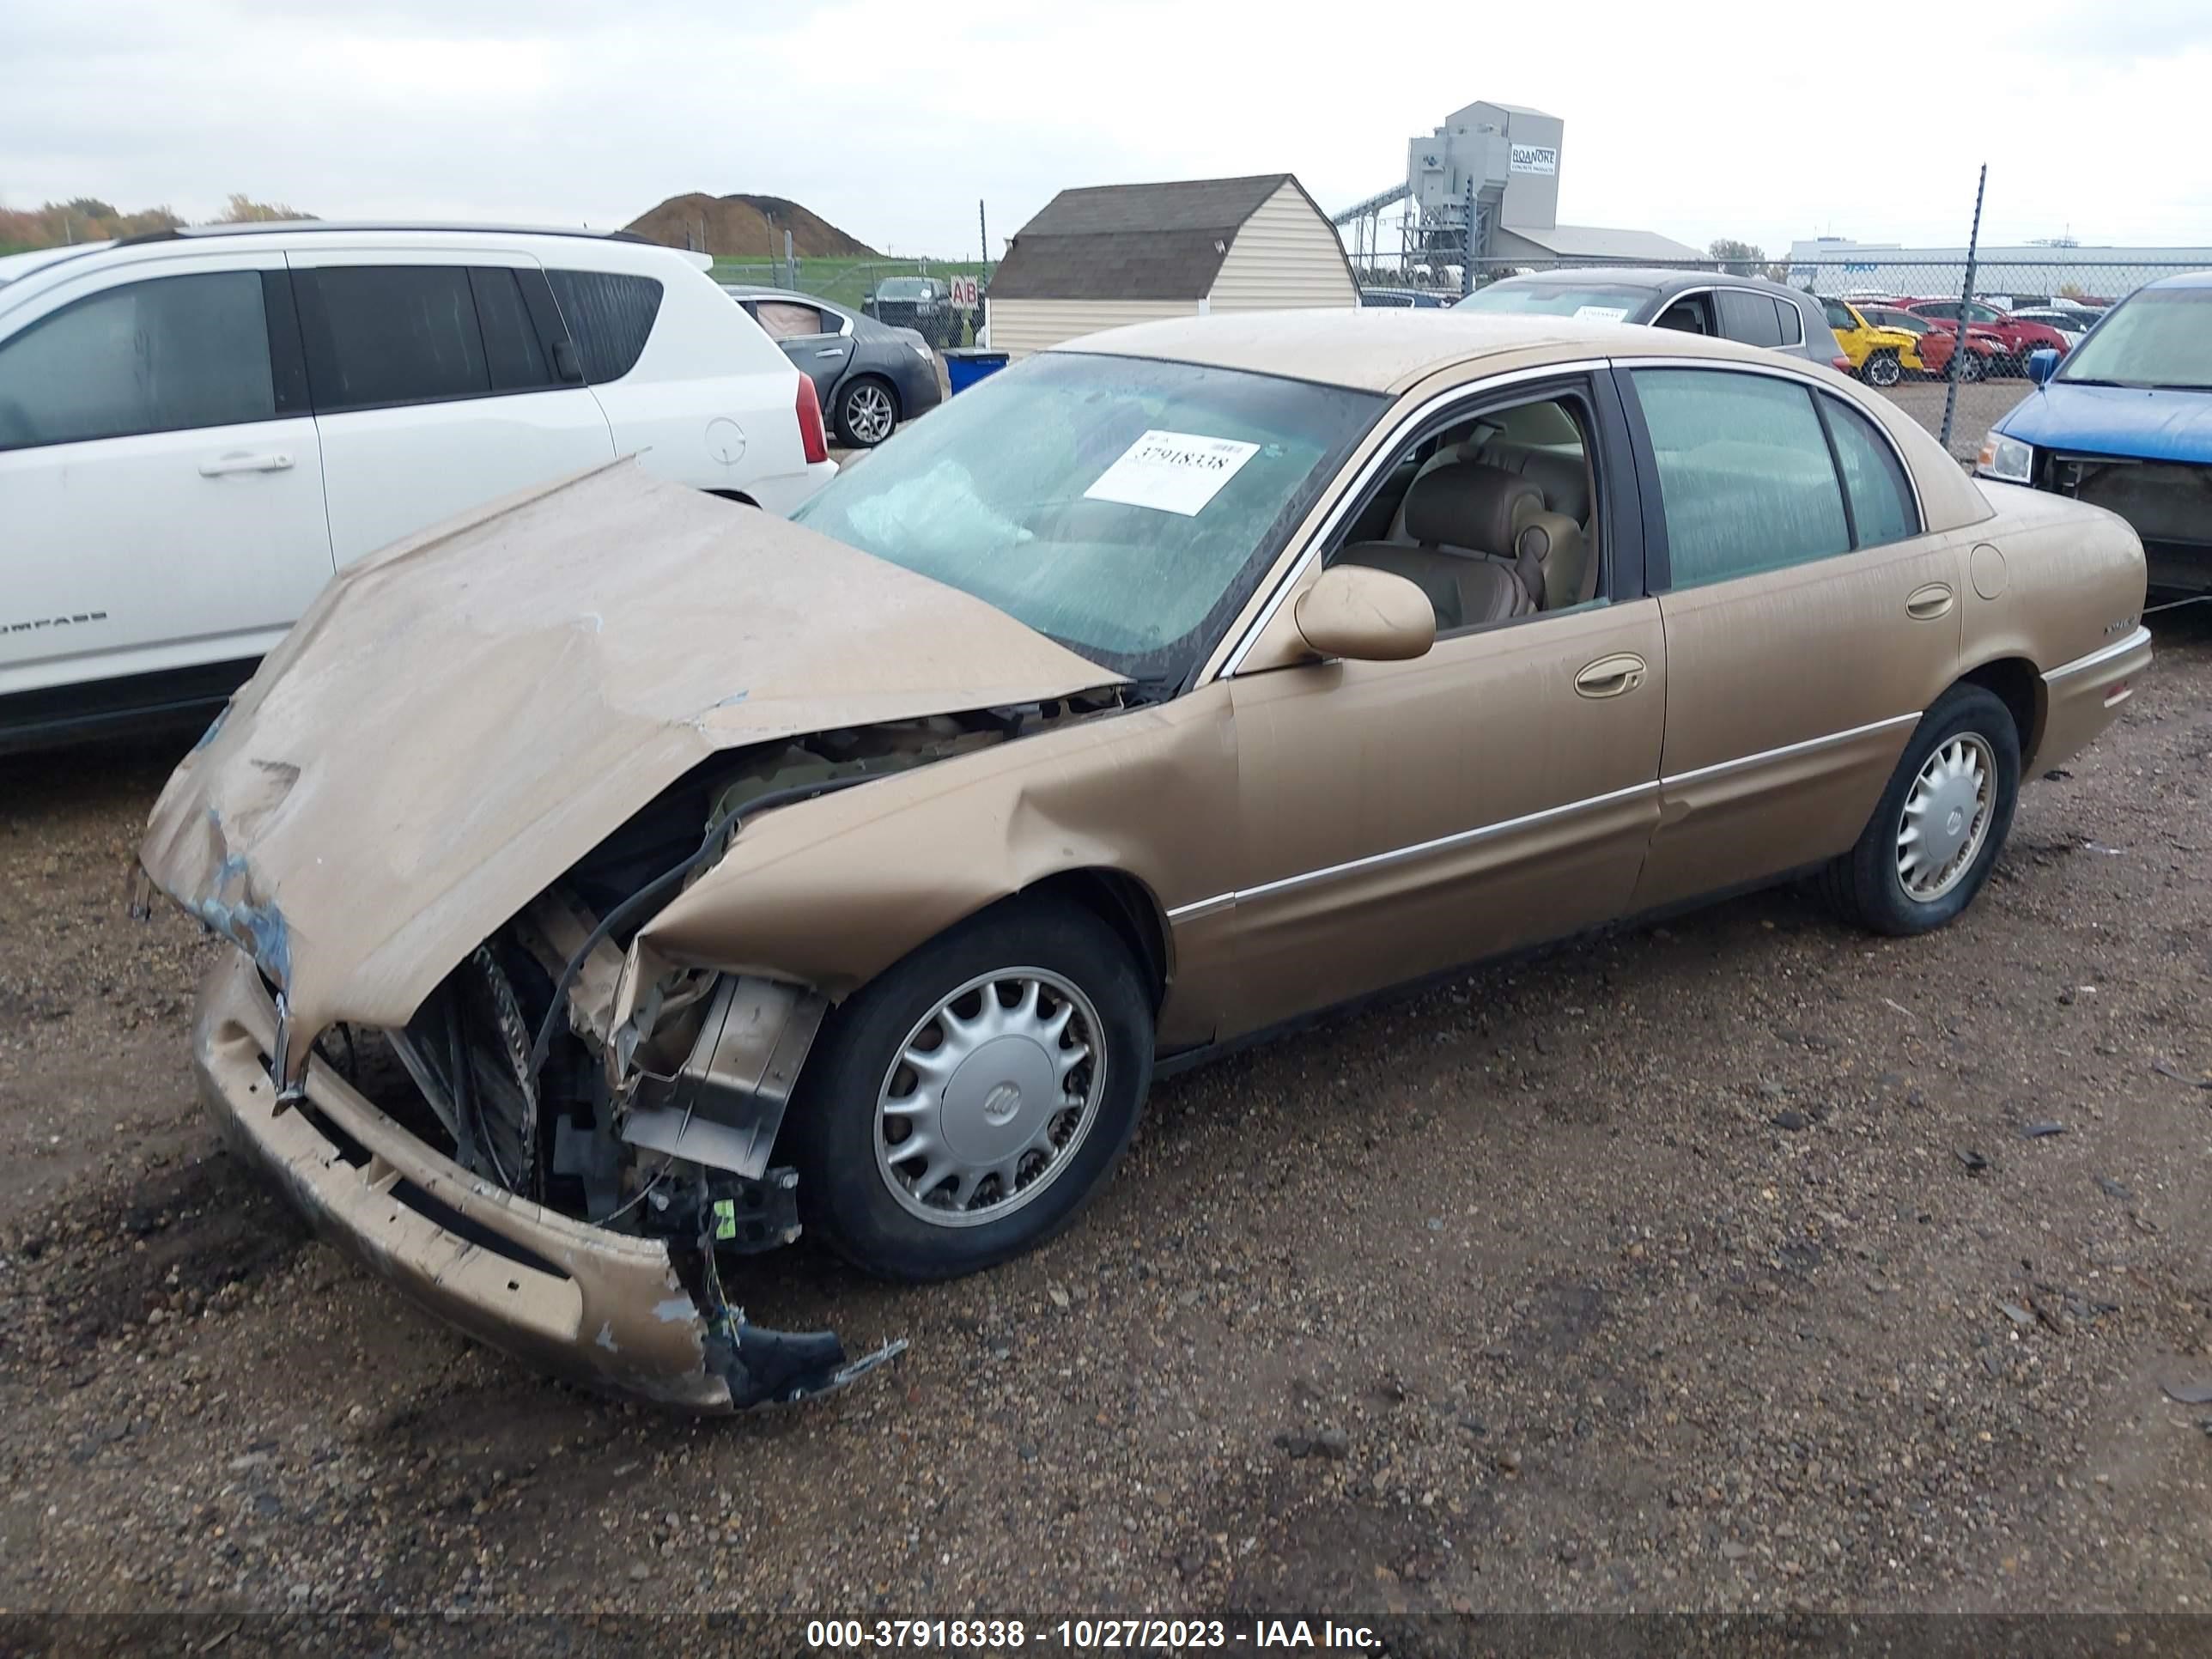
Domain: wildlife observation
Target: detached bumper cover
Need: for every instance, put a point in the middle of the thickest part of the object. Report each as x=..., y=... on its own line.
x=602, y=1309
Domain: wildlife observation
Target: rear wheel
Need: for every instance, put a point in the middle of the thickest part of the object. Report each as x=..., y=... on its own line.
x=1941, y=822
x=866, y=412
x=1971, y=368
x=960, y=1108
x=1882, y=369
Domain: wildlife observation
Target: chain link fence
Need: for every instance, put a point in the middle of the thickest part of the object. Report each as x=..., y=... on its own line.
x=929, y=295
x=1897, y=321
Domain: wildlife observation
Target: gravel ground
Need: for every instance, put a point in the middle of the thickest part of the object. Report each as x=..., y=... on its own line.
x=1705, y=1265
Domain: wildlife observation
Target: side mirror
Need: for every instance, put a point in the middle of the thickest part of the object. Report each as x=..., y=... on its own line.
x=2042, y=364
x=1365, y=616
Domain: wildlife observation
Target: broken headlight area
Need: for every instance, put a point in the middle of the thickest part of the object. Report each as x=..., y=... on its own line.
x=564, y=1062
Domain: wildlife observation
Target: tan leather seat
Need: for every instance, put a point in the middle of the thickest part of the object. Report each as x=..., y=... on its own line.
x=1480, y=538
x=1570, y=571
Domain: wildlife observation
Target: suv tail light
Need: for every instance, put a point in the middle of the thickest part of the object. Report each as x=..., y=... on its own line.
x=809, y=423
x=1842, y=362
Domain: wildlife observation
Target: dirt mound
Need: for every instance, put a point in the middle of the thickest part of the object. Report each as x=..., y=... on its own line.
x=745, y=227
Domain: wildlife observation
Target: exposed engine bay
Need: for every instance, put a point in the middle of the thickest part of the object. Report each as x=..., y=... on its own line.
x=641, y=1095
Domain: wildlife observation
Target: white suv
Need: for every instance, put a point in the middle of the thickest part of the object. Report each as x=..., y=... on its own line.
x=196, y=427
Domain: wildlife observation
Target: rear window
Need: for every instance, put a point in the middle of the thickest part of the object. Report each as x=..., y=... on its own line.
x=1604, y=302
x=610, y=315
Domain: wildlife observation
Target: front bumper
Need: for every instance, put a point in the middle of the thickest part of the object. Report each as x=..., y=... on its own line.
x=602, y=1308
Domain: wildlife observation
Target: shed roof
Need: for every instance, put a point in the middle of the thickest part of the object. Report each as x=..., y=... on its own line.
x=1163, y=241
x=1599, y=242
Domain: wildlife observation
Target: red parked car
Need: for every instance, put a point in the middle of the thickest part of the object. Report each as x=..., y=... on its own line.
x=1986, y=353
x=2017, y=336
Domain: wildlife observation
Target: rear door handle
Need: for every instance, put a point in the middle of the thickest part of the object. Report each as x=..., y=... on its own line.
x=1609, y=676
x=274, y=460
x=1926, y=604
x=831, y=351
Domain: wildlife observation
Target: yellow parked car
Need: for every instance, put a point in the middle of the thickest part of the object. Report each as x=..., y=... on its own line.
x=1878, y=356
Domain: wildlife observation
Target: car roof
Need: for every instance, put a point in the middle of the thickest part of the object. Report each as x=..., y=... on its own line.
x=2184, y=279
x=1656, y=277
x=1388, y=347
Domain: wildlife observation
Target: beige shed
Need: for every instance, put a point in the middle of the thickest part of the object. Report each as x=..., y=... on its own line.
x=1112, y=254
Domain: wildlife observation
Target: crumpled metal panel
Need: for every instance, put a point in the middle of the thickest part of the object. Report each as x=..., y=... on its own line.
x=462, y=715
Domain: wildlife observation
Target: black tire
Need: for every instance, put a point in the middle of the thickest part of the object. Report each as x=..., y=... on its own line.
x=1882, y=368
x=860, y=401
x=1865, y=885
x=833, y=1126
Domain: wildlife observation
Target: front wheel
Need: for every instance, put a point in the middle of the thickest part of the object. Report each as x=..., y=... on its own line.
x=1942, y=822
x=960, y=1108
x=866, y=413
x=1969, y=367
x=1882, y=369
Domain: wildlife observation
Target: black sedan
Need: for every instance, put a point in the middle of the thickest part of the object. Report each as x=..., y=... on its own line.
x=869, y=375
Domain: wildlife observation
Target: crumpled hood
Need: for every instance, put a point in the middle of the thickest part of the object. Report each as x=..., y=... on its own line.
x=461, y=716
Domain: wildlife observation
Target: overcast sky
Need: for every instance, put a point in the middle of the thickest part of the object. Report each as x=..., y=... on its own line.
x=891, y=118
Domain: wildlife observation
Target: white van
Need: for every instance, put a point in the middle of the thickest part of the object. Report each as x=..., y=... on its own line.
x=196, y=427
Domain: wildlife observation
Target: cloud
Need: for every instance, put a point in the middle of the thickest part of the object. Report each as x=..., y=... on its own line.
x=893, y=118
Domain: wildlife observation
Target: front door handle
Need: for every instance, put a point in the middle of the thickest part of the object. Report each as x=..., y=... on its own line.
x=1926, y=604
x=274, y=460
x=831, y=351
x=1608, y=676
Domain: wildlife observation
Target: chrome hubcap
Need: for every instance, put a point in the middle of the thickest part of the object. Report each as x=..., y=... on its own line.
x=1945, y=817
x=992, y=1093
x=868, y=412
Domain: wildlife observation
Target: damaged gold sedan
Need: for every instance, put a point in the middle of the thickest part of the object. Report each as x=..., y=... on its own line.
x=669, y=878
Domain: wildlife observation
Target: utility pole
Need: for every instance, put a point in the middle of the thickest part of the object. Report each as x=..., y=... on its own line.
x=1966, y=299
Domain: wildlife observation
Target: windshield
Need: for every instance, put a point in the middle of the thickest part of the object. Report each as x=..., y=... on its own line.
x=1599, y=302
x=1122, y=505
x=2159, y=337
x=903, y=288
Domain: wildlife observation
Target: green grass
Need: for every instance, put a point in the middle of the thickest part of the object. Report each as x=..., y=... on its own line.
x=846, y=281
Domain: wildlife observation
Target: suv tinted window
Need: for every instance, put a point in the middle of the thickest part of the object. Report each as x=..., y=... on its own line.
x=611, y=316
x=512, y=351
x=1837, y=314
x=162, y=356
x=378, y=335
x=1873, y=479
x=1792, y=320
x=1748, y=318
x=1745, y=476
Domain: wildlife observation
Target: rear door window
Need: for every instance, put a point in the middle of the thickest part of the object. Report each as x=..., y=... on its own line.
x=514, y=354
x=167, y=354
x=381, y=335
x=1749, y=317
x=610, y=315
x=1746, y=478
x=1874, y=478
x=788, y=319
x=1792, y=321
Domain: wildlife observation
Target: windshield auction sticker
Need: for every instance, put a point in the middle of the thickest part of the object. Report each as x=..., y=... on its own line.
x=1600, y=314
x=1174, y=472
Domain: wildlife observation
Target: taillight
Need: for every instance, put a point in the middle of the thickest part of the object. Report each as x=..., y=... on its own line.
x=810, y=423
x=1841, y=362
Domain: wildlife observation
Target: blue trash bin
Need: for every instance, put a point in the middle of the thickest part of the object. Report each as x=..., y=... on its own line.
x=965, y=365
